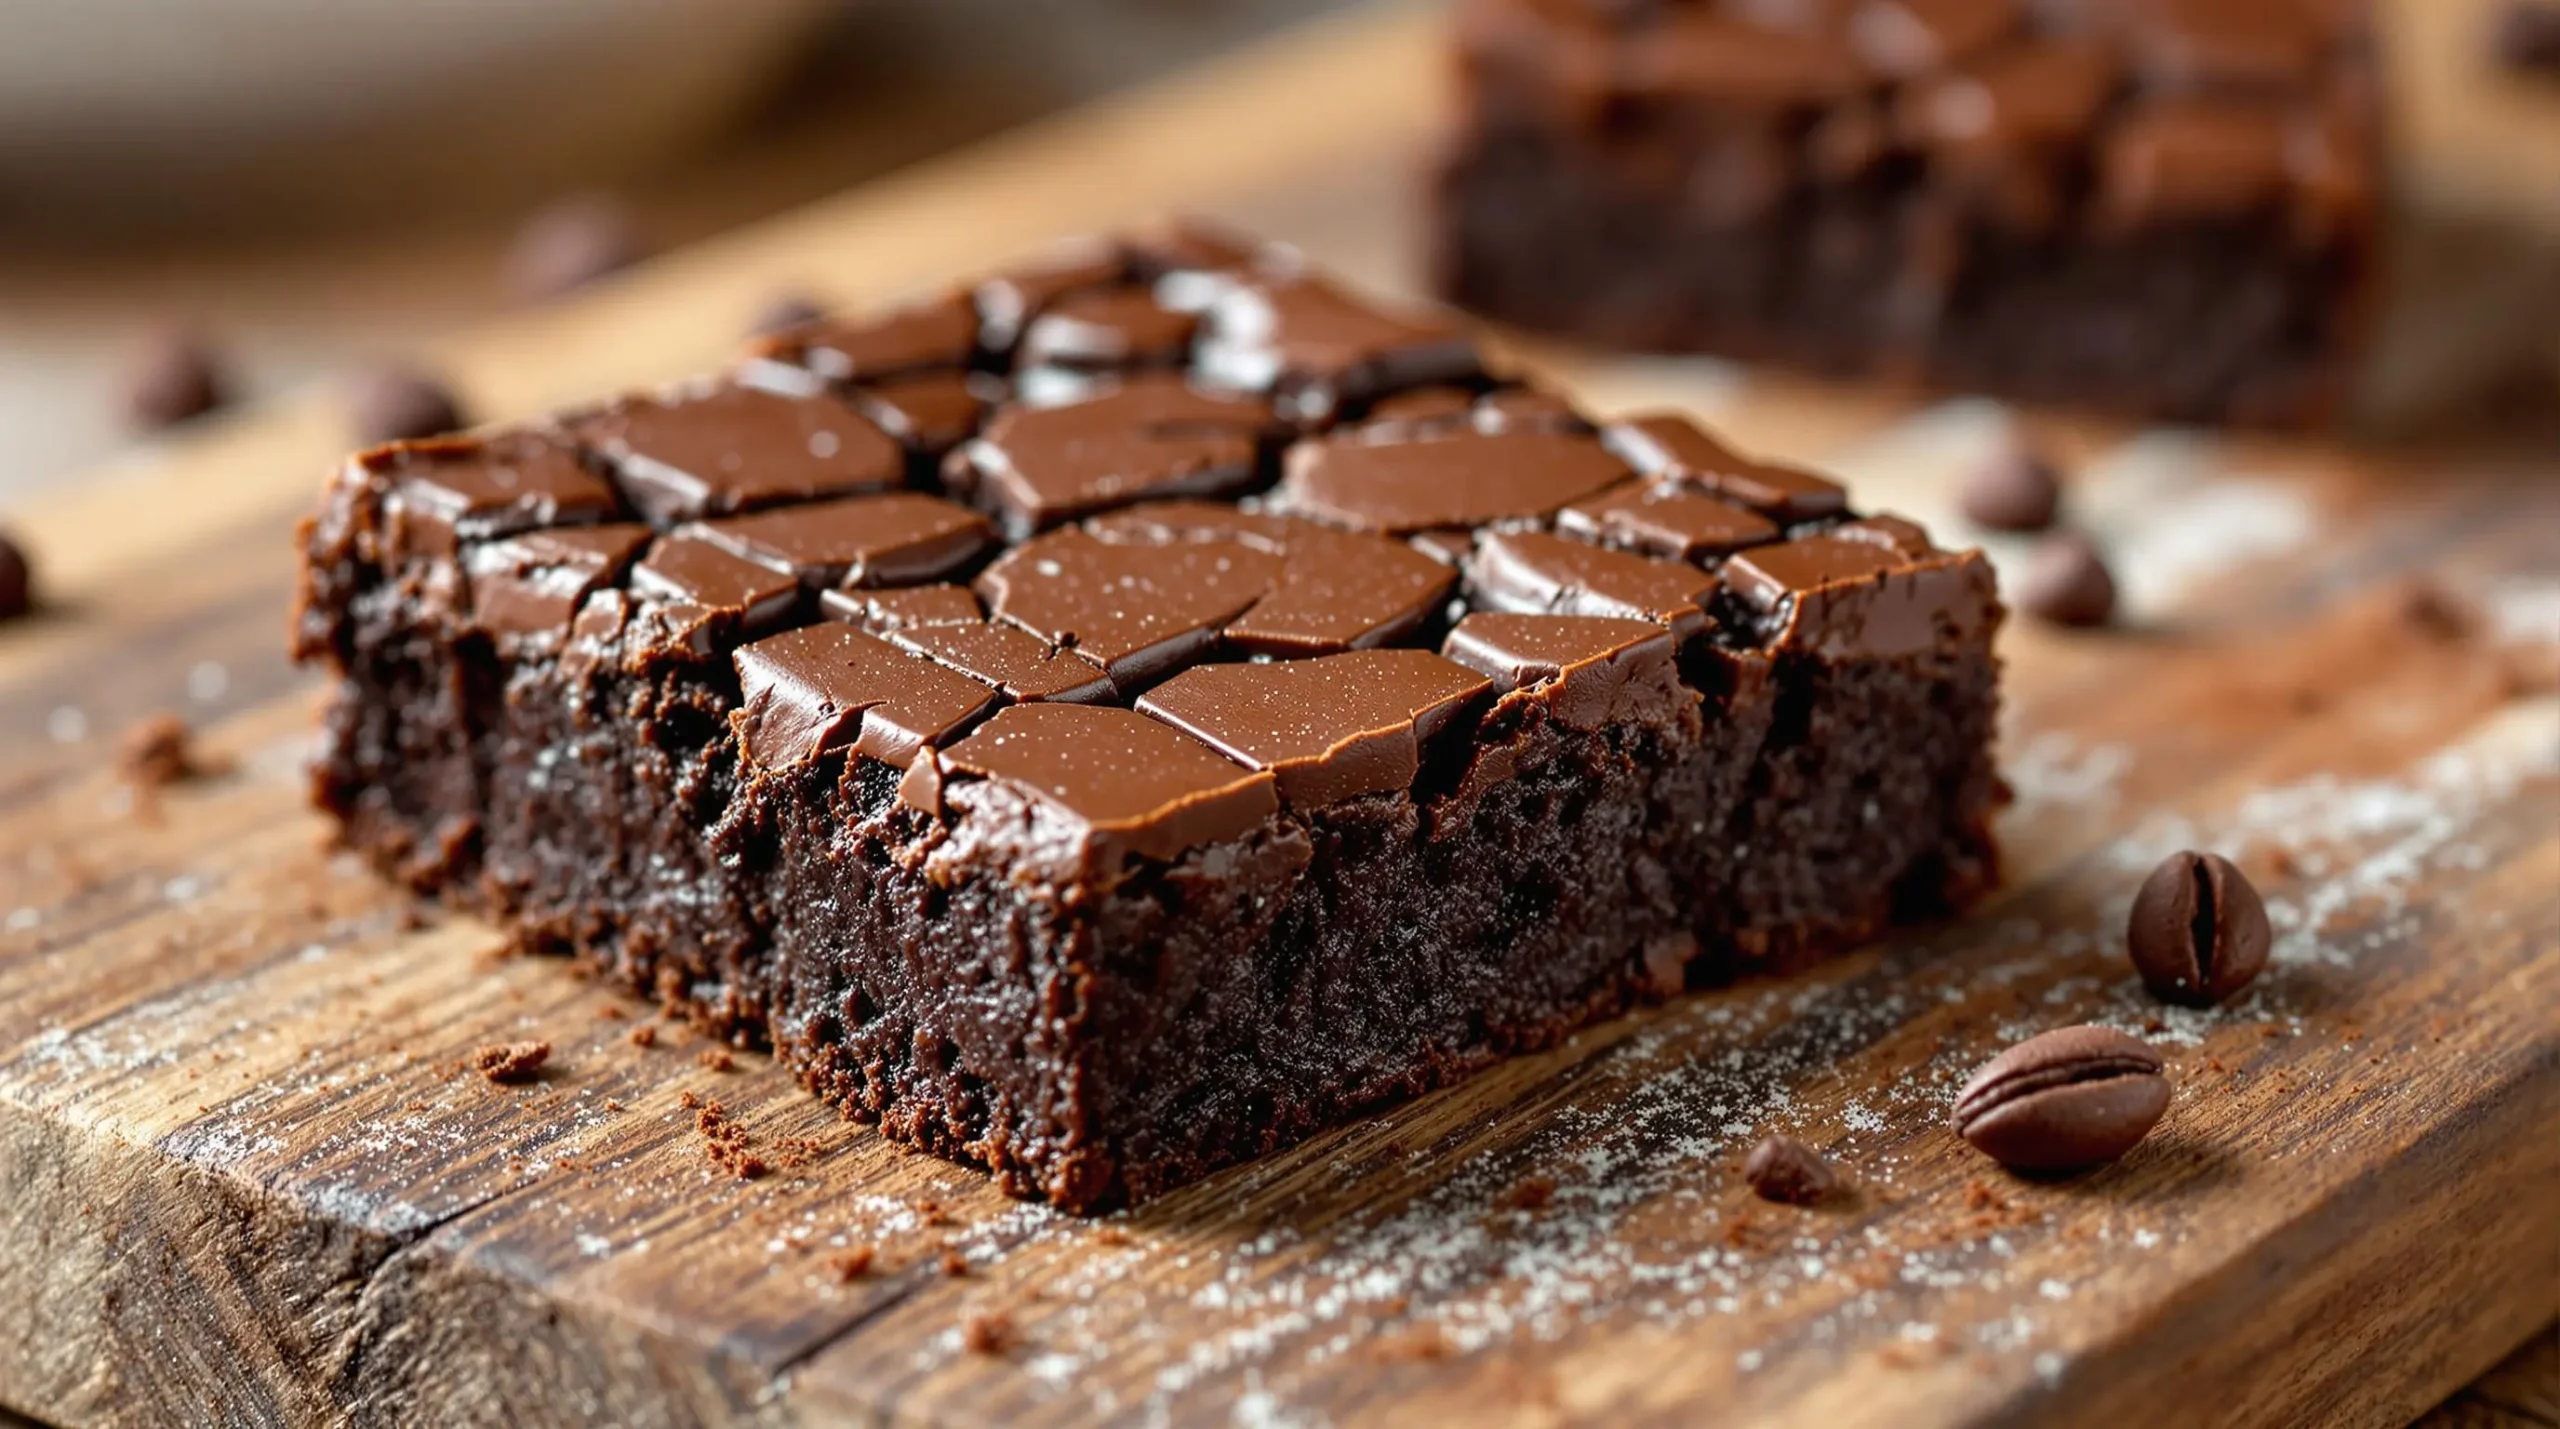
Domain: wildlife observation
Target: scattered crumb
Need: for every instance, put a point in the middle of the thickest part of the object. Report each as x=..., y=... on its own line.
x=790, y=1153
x=987, y=1332
x=688, y=1100
x=727, y=1143
x=610, y=1012
x=2437, y=613
x=955, y=1263
x=717, y=1059
x=930, y=1212
x=851, y=1263
x=159, y=752
x=1110, y=1235
x=1530, y=1193
x=511, y=1063
x=1426, y=1343
x=644, y=1035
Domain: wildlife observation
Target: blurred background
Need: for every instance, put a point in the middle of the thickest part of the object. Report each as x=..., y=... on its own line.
x=309, y=186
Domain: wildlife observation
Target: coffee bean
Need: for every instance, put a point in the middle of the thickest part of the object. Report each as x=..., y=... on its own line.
x=390, y=403
x=2198, y=932
x=2526, y=38
x=17, y=580
x=2066, y=1100
x=2067, y=582
x=1784, y=1169
x=171, y=377
x=572, y=243
x=2015, y=490
x=788, y=311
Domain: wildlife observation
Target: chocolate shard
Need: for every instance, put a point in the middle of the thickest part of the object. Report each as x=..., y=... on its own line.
x=1155, y=435
x=1130, y=786
x=1331, y=728
x=722, y=448
x=828, y=689
x=1532, y=571
x=1589, y=671
x=1466, y=478
x=901, y=538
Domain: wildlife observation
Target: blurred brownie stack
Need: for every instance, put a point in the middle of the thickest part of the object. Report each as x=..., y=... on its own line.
x=2163, y=207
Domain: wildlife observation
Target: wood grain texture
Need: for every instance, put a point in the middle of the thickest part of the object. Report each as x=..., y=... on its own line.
x=243, y=1178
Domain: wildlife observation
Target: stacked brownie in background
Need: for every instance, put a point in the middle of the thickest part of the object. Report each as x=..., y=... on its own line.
x=2163, y=207
x=1118, y=719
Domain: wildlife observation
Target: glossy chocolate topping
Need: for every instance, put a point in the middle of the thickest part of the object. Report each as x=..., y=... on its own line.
x=1153, y=435
x=931, y=412
x=1669, y=447
x=1587, y=670
x=1315, y=347
x=942, y=333
x=1667, y=521
x=705, y=595
x=879, y=610
x=1142, y=611
x=1108, y=327
x=899, y=538
x=828, y=688
x=530, y=584
x=731, y=447
x=1024, y=666
x=1331, y=728
x=453, y=489
x=1133, y=785
x=1532, y=571
x=1465, y=478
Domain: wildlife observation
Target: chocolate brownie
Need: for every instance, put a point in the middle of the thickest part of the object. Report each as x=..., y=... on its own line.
x=1122, y=718
x=2164, y=207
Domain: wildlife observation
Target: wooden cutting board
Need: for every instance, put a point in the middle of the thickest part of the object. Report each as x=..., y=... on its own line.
x=243, y=1181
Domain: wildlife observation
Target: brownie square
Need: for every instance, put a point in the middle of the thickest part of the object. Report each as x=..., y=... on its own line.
x=2168, y=208
x=1104, y=746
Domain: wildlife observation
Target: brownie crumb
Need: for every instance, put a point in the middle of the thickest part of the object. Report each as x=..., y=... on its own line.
x=716, y=1059
x=1426, y=1343
x=610, y=1012
x=2437, y=613
x=1530, y=1193
x=1110, y=1235
x=790, y=1153
x=930, y=1212
x=644, y=1035
x=954, y=1263
x=851, y=1263
x=159, y=752
x=728, y=1144
x=688, y=1100
x=511, y=1063
x=987, y=1332
x=1786, y=1170
x=173, y=375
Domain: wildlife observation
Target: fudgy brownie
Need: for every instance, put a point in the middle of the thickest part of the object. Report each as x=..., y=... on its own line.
x=1117, y=720
x=2166, y=207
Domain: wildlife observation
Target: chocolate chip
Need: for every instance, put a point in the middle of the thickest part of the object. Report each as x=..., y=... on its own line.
x=2198, y=932
x=173, y=376
x=572, y=243
x=17, y=580
x=784, y=313
x=2526, y=38
x=2067, y=582
x=390, y=403
x=1784, y=1169
x=2068, y=1099
x=2014, y=490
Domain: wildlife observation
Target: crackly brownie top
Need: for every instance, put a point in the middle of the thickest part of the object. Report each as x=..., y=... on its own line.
x=2037, y=115
x=1164, y=534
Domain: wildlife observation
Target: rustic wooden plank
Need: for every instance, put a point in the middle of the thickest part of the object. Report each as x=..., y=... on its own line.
x=240, y=1168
